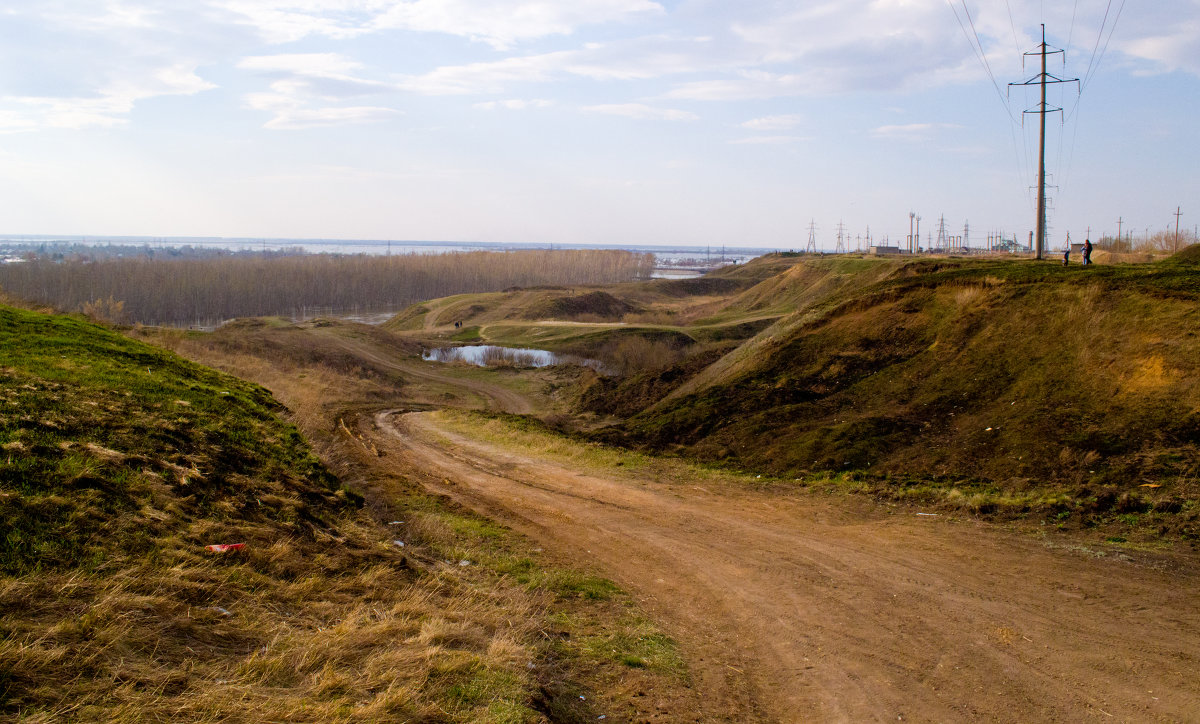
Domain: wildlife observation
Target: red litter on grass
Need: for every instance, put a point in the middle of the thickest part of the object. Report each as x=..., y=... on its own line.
x=225, y=547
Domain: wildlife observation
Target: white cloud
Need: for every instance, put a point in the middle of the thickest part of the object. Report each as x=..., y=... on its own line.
x=111, y=106
x=638, y=59
x=642, y=112
x=301, y=118
x=1177, y=50
x=484, y=78
x=912, y=131
x=294, y=104
x=504, y=23
x=747, y=85
x=499, y=23
x=768, y=140
x=774, y=123
x=287, y=21
x=309, y=84
x=514, y=104
x=328, y=65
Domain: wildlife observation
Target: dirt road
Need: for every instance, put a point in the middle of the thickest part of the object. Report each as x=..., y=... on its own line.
x=496, y=396
x=799, y=607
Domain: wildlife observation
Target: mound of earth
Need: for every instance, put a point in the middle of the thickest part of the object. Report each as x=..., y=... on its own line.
x=1188, y=255
x=592, y=304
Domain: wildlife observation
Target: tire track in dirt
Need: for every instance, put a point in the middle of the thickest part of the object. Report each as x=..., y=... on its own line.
x=802, y=608
x=501, y=398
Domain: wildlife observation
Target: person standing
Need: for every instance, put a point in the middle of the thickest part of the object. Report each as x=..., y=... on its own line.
x=1087, y=252
x=1067, y=255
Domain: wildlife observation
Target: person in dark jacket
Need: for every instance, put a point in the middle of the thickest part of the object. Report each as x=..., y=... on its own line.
x=1087, y=252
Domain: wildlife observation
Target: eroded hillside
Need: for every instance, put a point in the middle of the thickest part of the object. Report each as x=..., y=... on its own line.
x=1017, y=375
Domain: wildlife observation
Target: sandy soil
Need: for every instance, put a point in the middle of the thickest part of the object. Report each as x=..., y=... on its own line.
x=797, y=607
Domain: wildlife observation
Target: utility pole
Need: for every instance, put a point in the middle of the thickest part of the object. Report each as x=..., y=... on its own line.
x=841, y=246
x=812, y=238
x=1043, y=79
x=1178, y=213
x=1120, y=220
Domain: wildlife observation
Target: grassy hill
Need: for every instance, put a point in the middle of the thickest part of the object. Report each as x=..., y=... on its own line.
x=119, y=464
x=1017, y=384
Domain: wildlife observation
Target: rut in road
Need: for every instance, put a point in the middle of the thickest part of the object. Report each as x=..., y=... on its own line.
x=799, y=607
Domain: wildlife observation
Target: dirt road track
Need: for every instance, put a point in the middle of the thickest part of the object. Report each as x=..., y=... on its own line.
x=498, y=397
x=803, y=608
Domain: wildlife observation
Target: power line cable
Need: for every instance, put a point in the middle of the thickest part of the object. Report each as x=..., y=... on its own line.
x=977, y=47
x=1013, y=25
x=1112, y=29
x=1071, y=33
x=1098, y=52
x=1099, y=36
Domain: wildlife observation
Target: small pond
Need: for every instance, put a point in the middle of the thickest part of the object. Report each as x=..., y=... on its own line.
x=487, y=355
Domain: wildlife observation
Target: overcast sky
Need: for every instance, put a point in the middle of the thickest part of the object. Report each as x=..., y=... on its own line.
x=590, y=121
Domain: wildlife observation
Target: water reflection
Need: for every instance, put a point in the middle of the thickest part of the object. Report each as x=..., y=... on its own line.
x=487, y=355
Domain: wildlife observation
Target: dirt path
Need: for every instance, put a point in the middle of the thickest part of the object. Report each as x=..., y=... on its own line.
x=499, y=397
x=803, y=608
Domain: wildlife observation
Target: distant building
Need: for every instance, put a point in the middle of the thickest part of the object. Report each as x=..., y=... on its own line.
x=885, y=250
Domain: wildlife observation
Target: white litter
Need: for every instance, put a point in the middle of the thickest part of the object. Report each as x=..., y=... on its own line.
x=398, y=543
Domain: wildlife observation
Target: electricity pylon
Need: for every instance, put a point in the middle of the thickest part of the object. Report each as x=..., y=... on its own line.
x=1043, y=79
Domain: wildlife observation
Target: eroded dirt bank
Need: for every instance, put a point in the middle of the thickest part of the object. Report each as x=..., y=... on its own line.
x=805, y=608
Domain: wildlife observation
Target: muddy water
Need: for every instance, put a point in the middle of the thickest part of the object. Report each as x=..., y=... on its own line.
x=487, y=355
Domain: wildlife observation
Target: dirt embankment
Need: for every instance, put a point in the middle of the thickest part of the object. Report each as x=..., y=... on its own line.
x=793, y=607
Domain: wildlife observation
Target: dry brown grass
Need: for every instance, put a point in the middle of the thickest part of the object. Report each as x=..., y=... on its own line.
x=189, y=640
x=112, y=608
x=500, y=639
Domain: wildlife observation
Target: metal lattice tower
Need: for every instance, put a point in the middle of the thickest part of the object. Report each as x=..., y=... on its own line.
x=943, y=242
x=967, y=234
x=841, y=244
x=812, y=238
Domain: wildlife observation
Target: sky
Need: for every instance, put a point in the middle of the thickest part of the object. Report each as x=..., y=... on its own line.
x=691, y=122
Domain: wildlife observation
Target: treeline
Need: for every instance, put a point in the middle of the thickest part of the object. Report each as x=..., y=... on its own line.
x=67, y=251
x=202, y=291
x=1160, y=242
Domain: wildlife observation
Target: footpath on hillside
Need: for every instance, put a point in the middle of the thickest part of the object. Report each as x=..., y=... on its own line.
x=802, y=607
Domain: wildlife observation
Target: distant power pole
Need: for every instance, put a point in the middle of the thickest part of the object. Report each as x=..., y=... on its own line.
x=1043, y=79
x=1120, y=220
x=841, y=245
x=1178, y=213
x=943, y=242
x=967, y=234
x=812, y=237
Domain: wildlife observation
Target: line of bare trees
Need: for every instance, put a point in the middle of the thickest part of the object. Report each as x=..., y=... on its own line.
x=201, y=291
x=1159, y=242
